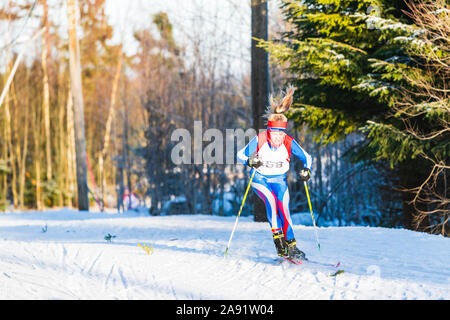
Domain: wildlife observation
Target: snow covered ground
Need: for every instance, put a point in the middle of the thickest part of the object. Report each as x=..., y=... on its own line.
x=63, y=255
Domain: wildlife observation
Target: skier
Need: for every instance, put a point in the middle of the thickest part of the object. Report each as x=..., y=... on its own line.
x=269, y=153
x=130, y=200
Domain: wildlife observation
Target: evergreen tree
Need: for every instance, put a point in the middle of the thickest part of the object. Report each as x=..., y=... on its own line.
x=351, y=67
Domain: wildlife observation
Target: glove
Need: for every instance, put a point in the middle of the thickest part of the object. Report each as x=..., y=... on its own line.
x=254, y=161
x=305, y=174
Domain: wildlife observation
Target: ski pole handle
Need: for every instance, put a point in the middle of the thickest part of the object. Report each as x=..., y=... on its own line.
x=240, y=210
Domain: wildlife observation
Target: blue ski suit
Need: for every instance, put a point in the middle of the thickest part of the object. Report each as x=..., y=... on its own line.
x=269, y=181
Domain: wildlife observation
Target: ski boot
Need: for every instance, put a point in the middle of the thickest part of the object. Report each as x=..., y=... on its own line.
x=293, y=252
x=280, y=244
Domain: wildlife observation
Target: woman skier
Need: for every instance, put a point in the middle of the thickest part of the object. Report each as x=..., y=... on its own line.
x=269, y=153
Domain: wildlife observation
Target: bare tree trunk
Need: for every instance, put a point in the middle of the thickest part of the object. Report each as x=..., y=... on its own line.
x=46, y=93
x=37, y=157
x=22, y=159
x=61, y=139
x=4, y=158
x=12, y=160
x=126, y=151
x=61, y=158
x=9, y=151
x=120, y=185
x=78, y=107
x=71, y=157
x=109, y=121
x=260, y=80
x=4, y=161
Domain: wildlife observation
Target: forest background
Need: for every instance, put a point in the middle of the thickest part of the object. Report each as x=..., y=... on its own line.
x=371, y=105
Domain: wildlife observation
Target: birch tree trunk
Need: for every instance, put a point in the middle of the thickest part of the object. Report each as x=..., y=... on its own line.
x=10, y=151
x=60, y=140
x=109, y=121
x=71, y=157
x=37, y=156
x=46, y=93
x=23, y=162
x=4, y=158
x=78, y=107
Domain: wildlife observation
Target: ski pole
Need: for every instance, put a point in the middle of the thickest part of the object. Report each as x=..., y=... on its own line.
x=312, y=215
x=240, y=210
